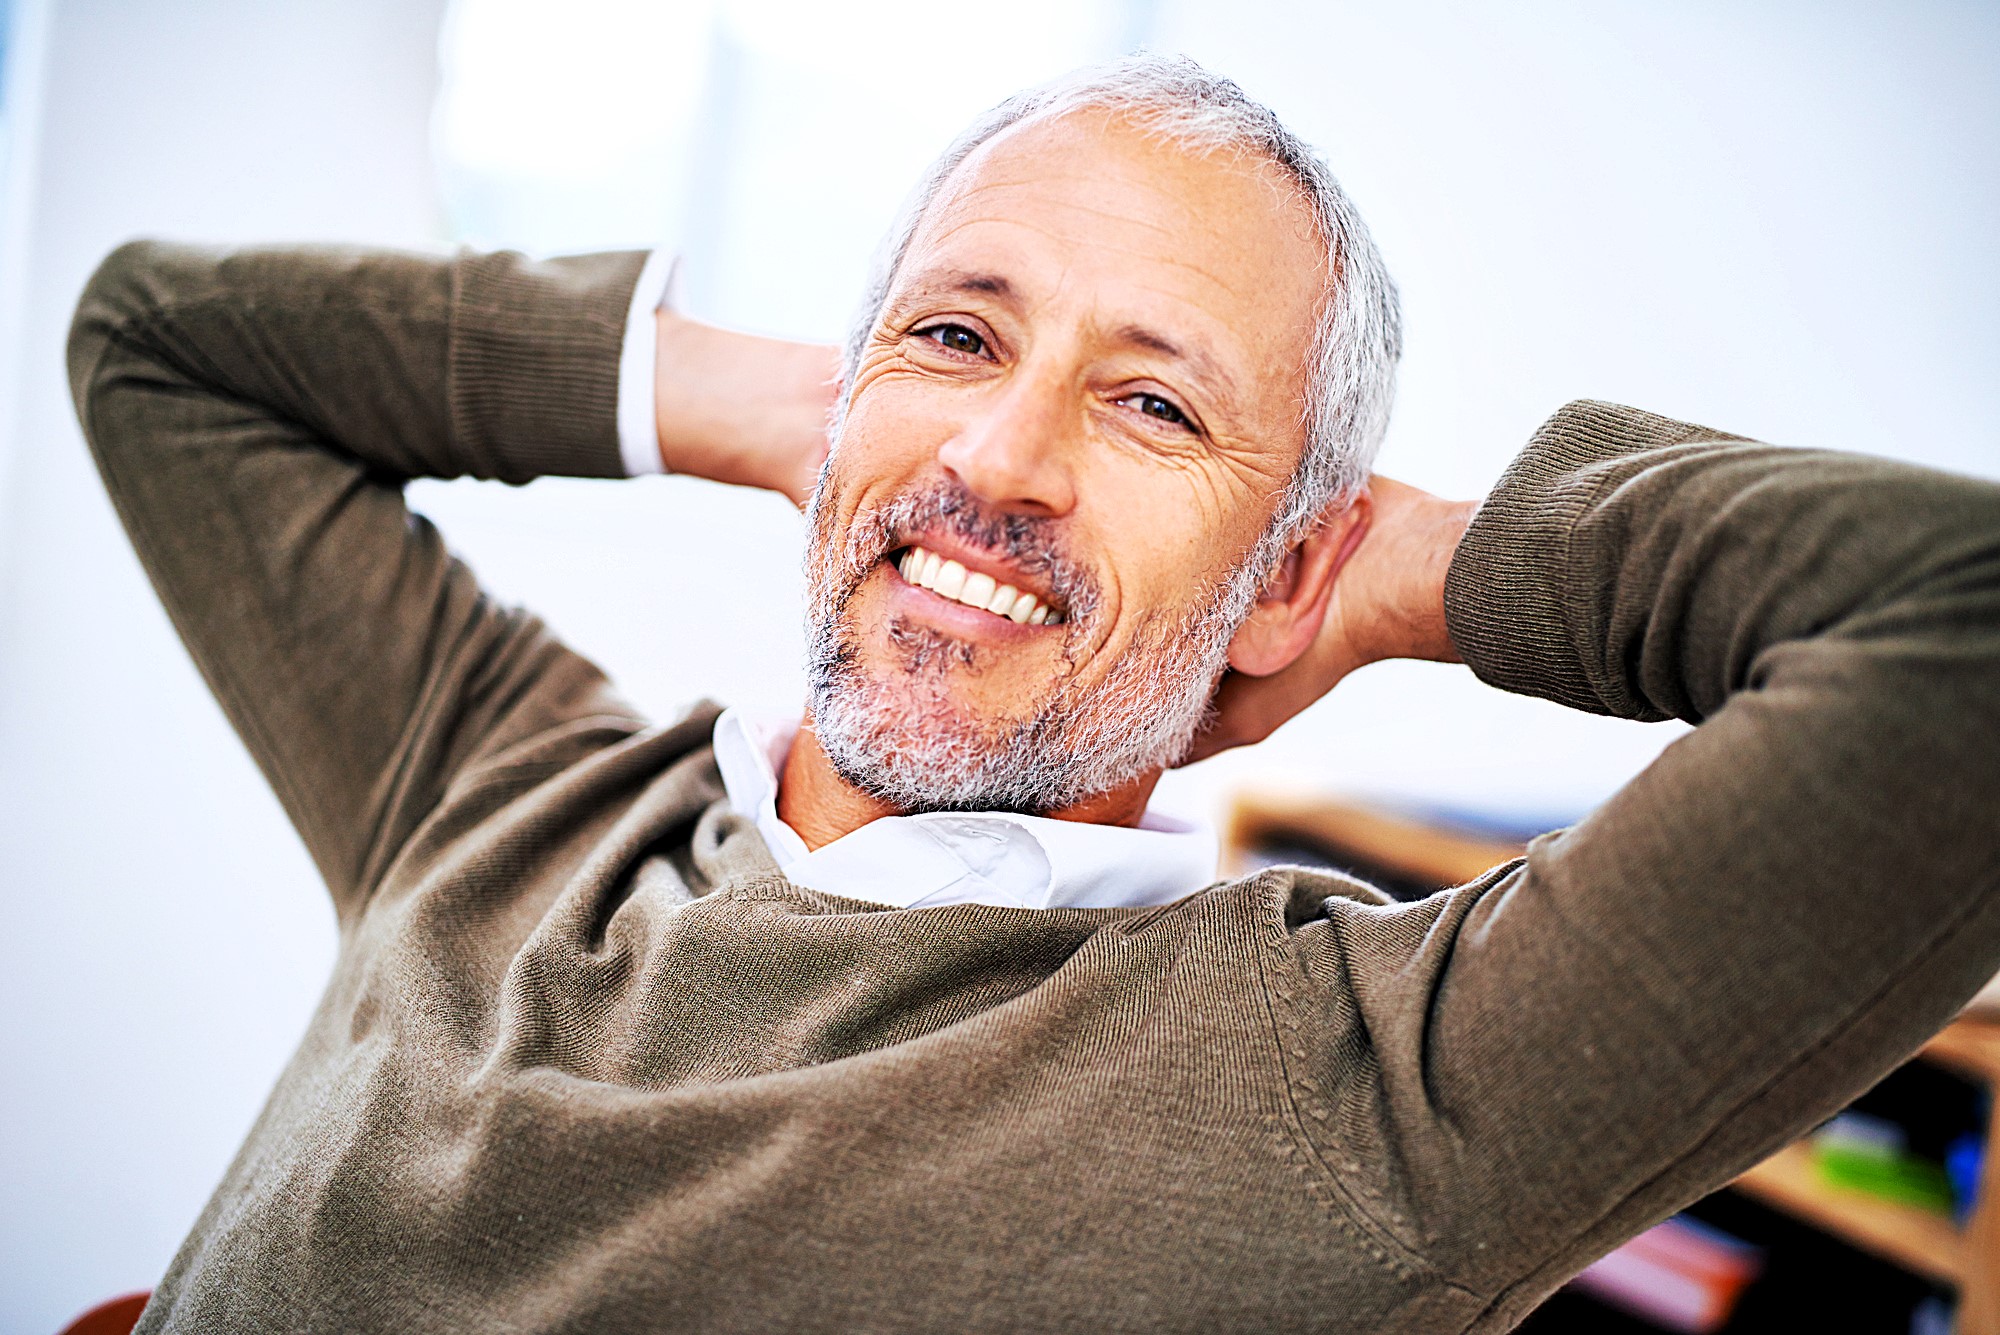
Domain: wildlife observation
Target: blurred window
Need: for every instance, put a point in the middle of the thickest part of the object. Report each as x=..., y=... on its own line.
x=769, y=141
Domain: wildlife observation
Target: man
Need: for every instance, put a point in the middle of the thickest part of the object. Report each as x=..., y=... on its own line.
x=908, y=1017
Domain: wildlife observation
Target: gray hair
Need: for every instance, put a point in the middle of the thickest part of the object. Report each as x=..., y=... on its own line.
x=1358, y=338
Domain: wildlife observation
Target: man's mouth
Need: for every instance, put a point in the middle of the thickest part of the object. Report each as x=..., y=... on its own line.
x=974, y=588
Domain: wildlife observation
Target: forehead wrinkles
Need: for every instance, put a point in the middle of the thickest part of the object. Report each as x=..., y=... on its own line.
x=1061, y=210
x=959, y=235
x=1224, y=236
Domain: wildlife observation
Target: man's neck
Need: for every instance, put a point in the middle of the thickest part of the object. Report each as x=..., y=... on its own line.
x=821, y=806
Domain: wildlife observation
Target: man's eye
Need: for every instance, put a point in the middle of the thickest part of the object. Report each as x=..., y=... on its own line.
x=1154, y=406
x=956, y=337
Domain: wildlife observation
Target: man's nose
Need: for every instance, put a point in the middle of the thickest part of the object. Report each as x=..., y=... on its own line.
x=1016, y=455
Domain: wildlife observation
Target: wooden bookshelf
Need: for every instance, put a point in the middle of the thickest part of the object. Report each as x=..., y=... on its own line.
x=1917, y=1240
x=1911, y=1238
x=1417, y=849
x=1970, y=1047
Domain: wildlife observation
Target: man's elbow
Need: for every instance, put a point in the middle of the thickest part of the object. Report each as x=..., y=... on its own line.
x=119, y=310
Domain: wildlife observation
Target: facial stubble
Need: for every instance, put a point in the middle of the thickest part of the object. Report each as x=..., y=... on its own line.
x=904, y=733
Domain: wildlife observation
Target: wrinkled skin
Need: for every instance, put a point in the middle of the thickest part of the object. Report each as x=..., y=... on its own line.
x=1097, y=343
x=1105, y=337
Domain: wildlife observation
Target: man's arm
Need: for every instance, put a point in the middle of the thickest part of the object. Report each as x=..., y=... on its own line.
x=255, y=415
x=1780, y=909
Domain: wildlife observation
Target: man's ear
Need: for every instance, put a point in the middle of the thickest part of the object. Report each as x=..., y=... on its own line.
x=1292, y=608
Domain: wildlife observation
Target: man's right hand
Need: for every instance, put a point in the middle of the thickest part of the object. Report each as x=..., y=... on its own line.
x=742, y=409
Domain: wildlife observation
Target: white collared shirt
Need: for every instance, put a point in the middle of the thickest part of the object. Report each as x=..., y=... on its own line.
x=924, y=860
x=952, y=857
x=638, y=423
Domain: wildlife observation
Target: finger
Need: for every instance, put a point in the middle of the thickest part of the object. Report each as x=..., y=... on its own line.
x=805, y=475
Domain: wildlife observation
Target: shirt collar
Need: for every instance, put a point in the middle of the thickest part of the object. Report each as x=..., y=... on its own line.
x=950, y=857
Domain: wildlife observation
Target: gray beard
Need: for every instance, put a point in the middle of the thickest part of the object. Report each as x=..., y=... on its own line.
x=904, y=739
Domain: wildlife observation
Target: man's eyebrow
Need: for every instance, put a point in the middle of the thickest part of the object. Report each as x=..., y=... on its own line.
x=950, y=282
x=1194, y=358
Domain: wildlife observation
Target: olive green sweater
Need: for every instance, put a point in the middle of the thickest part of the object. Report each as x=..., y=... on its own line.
x=587, y=1062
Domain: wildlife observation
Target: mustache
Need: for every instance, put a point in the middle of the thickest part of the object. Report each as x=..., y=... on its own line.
x=1034, y=544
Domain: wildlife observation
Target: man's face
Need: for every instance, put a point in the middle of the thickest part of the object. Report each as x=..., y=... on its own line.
x=1086, y=384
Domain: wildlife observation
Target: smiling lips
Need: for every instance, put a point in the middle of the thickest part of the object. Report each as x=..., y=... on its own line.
x=949, y=579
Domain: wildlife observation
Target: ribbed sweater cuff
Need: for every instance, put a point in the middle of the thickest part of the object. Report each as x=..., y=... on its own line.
x=1523, y=599
x=534, y=363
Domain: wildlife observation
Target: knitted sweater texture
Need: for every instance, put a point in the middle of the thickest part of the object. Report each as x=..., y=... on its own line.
x=587, y=1062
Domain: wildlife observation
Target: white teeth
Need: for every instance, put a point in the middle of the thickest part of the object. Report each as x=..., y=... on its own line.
x=978, y=590
x=949, y=579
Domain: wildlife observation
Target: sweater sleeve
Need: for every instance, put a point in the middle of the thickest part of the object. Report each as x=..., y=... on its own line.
x=1779, y=910
x=255, y=415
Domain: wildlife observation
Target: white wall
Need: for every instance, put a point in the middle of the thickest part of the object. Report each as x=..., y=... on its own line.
x=1777, y=219
x=163, y=939
x=1774, y=220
